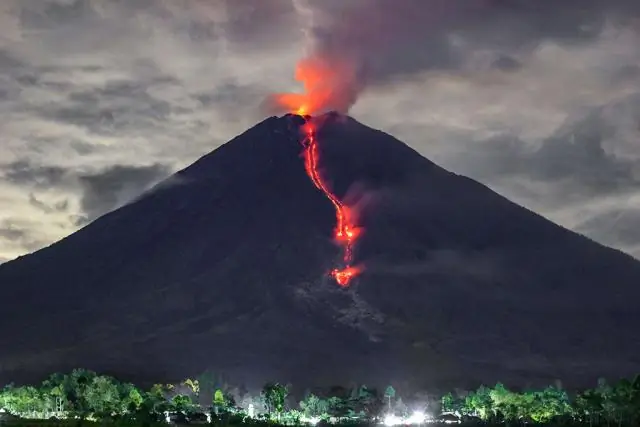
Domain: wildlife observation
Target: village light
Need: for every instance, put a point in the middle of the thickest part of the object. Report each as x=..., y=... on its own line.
x=391, y=420
x=311, y=420
x=418, y=417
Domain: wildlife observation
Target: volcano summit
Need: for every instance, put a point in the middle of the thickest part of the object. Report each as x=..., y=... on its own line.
x=225, y=266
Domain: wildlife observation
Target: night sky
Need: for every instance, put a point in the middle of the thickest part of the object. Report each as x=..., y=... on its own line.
x=539, y=99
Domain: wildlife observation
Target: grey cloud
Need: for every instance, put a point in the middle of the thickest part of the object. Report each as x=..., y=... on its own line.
x=60, y=206
x=617, y=227
x=581, y=153
x=577, y=152
x=108, y=189
x=391, y=38
x=101, y=190
x=10, y=232
x=507, y=63
x=18, y=231
x=249, y=21
x=117, y=106
x=24, y=172
x=381, y=42
x=586, y=175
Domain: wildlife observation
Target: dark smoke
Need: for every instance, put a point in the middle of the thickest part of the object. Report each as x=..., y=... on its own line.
x=391, y=39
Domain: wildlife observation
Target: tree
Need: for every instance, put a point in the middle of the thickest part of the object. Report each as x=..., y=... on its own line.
x=482, y=403
x=366, y=402
x=219, y=401
x=101, y=397
x=390, y=393
x=182, y=403
x=313, y=406
x=194, y=385
x=22, y=401
x=274, y=396
x=134, y=398
x=448, y=402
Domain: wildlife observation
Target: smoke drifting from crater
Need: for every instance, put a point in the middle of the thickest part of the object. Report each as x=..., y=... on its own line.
x=357, y=44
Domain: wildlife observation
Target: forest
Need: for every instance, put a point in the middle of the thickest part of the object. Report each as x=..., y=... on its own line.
x=86, y=396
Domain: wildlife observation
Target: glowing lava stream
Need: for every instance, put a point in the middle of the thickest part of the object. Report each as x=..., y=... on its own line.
x=345, y=232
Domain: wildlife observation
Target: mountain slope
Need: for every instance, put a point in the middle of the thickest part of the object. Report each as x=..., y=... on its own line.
x=224, y=266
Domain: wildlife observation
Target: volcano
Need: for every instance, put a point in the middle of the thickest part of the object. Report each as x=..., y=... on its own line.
x=224, y=266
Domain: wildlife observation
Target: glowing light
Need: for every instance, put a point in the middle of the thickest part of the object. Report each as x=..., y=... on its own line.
x=310, y=420
x=346, y=232
x=344, y=276
x=418, y=417
x=391, y=420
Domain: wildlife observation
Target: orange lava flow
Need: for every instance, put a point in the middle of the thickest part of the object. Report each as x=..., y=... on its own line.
x=345, y=232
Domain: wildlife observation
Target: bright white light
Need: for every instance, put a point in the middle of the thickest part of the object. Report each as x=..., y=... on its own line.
x=311, y=420
x=418, y=417
x=391, y=420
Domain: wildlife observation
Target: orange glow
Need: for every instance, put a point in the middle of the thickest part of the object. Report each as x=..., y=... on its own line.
x=344, y=276
x=346, y=232
x=328, y=83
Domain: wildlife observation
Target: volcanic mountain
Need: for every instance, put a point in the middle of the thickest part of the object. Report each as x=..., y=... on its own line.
x=224, y=266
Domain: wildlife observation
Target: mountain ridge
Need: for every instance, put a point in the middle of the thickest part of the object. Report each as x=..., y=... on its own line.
x=232, y=260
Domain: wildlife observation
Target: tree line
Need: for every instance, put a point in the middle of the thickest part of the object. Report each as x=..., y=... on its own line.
x=87, y=395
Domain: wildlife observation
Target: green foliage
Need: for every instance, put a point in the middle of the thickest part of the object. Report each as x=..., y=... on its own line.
x=313, y=406
x=390, y=392
x=218, y=398
x=181, y=403
x=86, y=395
x=274, y=396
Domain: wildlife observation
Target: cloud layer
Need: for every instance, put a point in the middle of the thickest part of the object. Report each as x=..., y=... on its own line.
x=539, y=99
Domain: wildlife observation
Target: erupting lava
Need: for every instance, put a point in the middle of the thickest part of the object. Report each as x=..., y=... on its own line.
x=329, y=83
x=346, y=232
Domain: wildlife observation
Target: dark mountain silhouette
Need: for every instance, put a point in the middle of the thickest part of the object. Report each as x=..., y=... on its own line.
x=224, y=266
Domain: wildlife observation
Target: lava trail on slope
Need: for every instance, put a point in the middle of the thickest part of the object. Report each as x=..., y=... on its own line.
x=346, y=232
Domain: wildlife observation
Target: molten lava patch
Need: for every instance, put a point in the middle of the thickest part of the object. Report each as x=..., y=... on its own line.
x=346, y=232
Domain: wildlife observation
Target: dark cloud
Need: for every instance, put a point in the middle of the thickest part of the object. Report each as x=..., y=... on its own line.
x=576, y=151
x=506, y=63
x=586, y=175
x=9, y=232
x=581, y=154
x=60, y=206
x=617, y=227
x=20, y=232
x=249, y=22
x=111, y=188
x=101, y=191
x=24, y=172
x=377, y=42
x=117, y=106
x=390, y=38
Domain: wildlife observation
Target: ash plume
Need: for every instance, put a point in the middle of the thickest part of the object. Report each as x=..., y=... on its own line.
x=362, y=43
